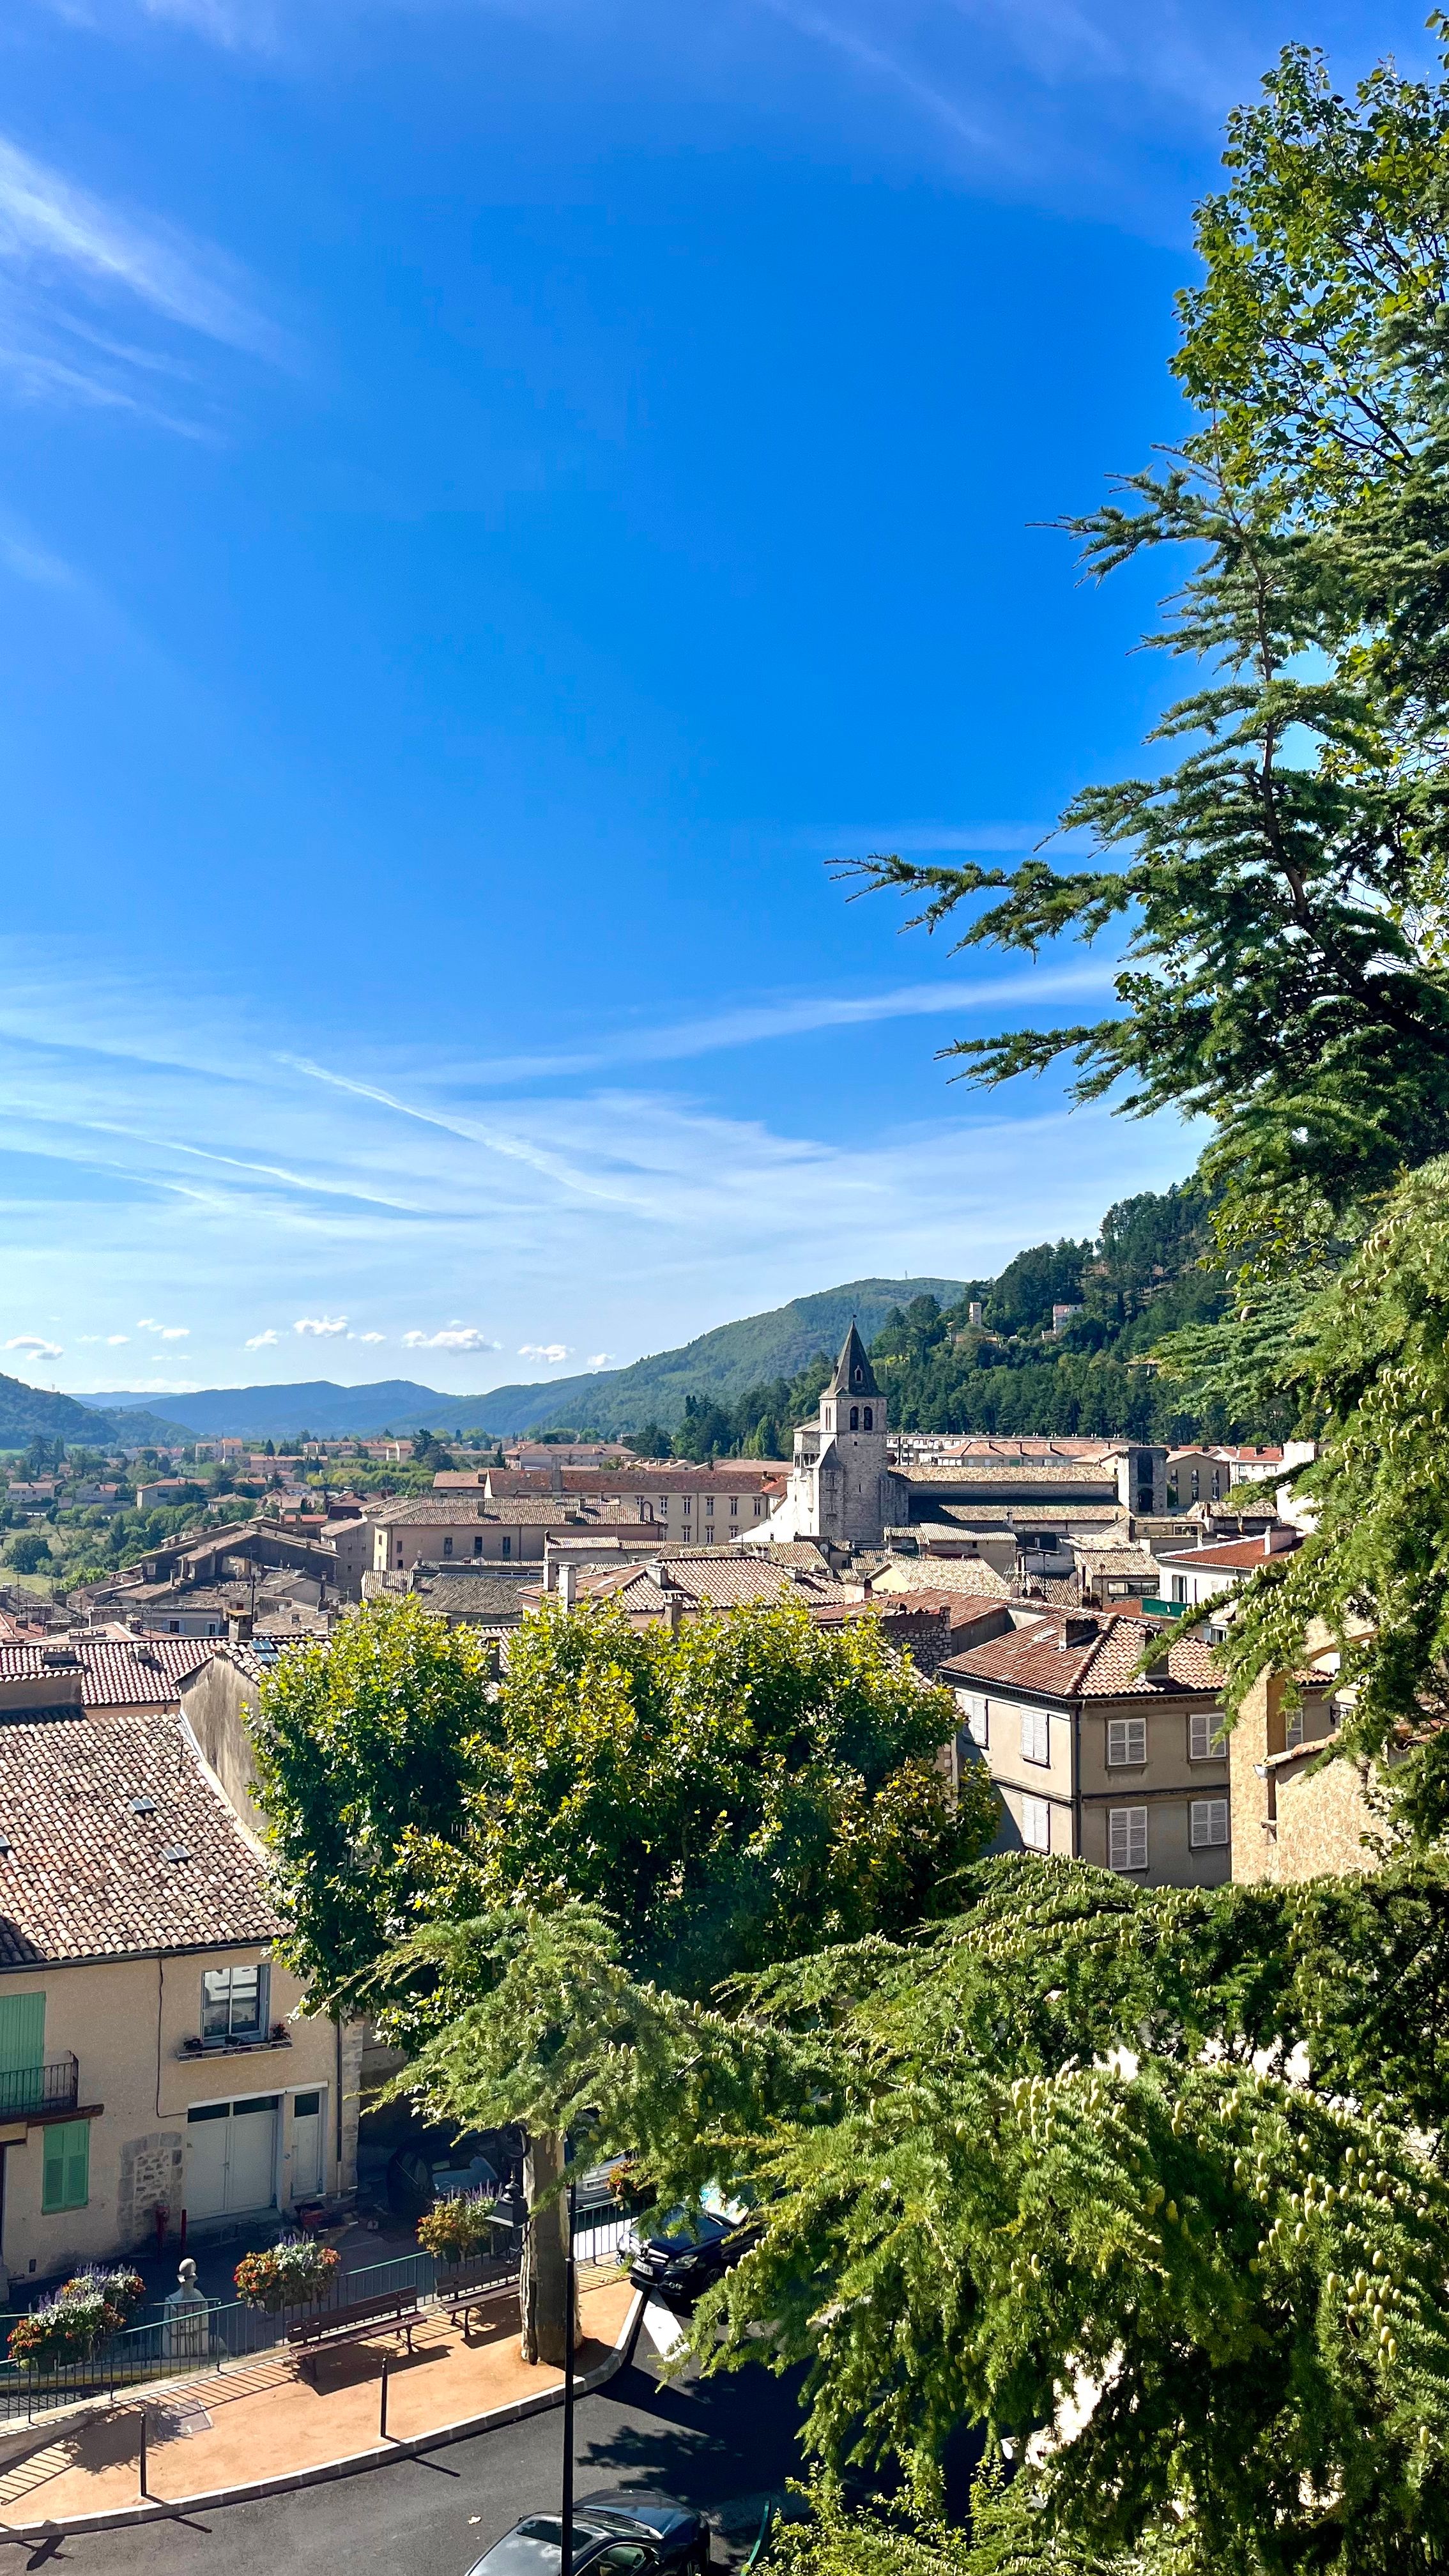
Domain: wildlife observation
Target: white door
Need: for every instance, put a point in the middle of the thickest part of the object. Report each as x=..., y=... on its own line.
x=206, y=2137
x=251, y=2181
x=308, y=2128
x=231, y=2156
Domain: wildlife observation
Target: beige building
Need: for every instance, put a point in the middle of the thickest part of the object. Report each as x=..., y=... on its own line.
x=1094, y=1760
x=1299, y=1816
x=150, y=2051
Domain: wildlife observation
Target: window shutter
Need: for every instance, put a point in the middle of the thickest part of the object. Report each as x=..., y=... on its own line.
x=77, y=2135
x=1209, y=1823
x=52, y=2194
x=1127, y=1837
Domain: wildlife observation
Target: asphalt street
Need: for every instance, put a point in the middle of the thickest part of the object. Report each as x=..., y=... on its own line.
x=724, y=2444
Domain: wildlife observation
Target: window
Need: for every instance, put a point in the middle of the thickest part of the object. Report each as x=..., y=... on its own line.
x=1293, y=1731
x=855, y=1417
x=1204, y=1736
x=233, y=2003
x=66, y=2167
x=507, y=1546
x=759, y=1506
x=399, y=1551
x=978, y=1718
x=869, y=1419
x=447, y=1547
x=477, y=1547
x=1127, y=1837
x=734, y=1507
x=1196, y=1481
x=1126, y=1740
x=709, y=1505
x=1036, y=1742
x=1036, y=1824
x=1179, y=1587
x=1208, y=1824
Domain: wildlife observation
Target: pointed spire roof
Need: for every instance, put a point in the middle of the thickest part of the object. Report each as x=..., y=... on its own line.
x=853, y=1372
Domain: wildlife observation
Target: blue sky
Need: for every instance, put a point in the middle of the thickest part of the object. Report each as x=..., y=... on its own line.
x=493, y=498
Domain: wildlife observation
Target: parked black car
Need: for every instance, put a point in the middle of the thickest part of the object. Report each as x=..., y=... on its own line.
x=691, y=2253
x=615, y=2535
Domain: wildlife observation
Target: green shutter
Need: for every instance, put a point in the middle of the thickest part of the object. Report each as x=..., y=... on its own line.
x=22, y=2050
x=66, y=2173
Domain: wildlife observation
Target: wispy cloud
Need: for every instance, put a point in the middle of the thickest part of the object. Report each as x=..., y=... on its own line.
x=163, y=1332
x=179, y=1142
x=68, y=261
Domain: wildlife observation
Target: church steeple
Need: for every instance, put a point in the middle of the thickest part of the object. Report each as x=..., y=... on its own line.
x=853, y=1372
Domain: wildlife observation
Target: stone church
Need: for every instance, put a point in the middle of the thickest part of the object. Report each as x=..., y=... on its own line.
x=841, y=1485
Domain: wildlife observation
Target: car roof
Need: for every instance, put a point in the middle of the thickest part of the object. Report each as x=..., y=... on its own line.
x=534, y=2547
x=646, y=2510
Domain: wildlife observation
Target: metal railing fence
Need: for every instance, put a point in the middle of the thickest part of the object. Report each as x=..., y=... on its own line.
x=171, y=2344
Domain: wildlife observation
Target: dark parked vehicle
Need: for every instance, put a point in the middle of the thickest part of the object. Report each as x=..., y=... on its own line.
x=617, y=2535
x=689, y=2255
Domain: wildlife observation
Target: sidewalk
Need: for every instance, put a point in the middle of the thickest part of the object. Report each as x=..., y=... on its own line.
x=261, y=2420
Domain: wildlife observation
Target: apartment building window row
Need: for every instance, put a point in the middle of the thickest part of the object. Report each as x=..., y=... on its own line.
x=1126, y=1741
x=1036, y=1740
x=1127, y=1838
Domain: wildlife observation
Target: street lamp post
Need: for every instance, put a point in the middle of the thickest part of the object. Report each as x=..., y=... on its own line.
x=566, y=2513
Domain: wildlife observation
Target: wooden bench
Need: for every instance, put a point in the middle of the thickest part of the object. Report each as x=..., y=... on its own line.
x=393, y=2312
x=465, y=2287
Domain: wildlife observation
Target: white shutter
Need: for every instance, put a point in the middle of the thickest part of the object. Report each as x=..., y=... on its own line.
x=1127, y=1837
x=1036, y=1824
x=1209, y=1823
x=1126, y=1740
x=1201, y=1726
x=1036, y=1743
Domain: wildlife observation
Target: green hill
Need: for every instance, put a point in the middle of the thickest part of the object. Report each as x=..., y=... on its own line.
x=30, y=1411
x=715, y=1365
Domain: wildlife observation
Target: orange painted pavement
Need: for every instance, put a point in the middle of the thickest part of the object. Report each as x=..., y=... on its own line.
x=262, y=2419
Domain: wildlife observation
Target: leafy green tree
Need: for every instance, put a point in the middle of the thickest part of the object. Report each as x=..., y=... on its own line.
x=367, y=1750
x=748, y=1787
x=27, y=1551
x=649, y=1441
x=1281, y=889
x=974, y=2207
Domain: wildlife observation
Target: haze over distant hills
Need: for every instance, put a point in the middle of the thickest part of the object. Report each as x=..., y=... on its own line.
x=723, y=1362
x=36, y=1412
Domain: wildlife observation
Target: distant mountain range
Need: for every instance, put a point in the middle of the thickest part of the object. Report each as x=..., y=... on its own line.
x=29, y=1412
x=720, y=1363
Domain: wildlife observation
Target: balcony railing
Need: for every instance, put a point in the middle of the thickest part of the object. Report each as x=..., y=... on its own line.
x=55, y=2086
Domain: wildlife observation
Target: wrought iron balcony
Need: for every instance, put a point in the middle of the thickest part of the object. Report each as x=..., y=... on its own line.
x=55, y=2086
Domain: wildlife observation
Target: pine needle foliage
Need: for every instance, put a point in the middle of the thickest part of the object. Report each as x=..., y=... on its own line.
x=1052, y=2168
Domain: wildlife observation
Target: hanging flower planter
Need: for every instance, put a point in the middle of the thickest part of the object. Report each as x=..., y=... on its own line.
x=85, y=2312
x=454, y=2229
x=294, y=2273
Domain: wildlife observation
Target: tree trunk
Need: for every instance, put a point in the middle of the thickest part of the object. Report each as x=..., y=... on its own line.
x=543, y=2282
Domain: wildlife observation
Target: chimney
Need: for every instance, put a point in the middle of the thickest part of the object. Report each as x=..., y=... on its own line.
x=567, y=1586
x=555, y=1475
x=239, y=1627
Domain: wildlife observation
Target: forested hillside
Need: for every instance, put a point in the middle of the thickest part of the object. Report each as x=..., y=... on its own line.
x=1149, y=1275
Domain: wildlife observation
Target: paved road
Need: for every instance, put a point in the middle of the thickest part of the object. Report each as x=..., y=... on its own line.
x=723, y=2444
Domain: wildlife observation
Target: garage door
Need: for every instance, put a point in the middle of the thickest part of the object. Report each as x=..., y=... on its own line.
x=231, y=2156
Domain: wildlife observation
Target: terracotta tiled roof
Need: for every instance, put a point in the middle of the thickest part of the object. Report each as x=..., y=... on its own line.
x=455, y=1511
x=1030, y=1473
x=86, y=1877
x=1234, y=1556
x=1038, y=1658
x=134, y=1673
x=965, y=1574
